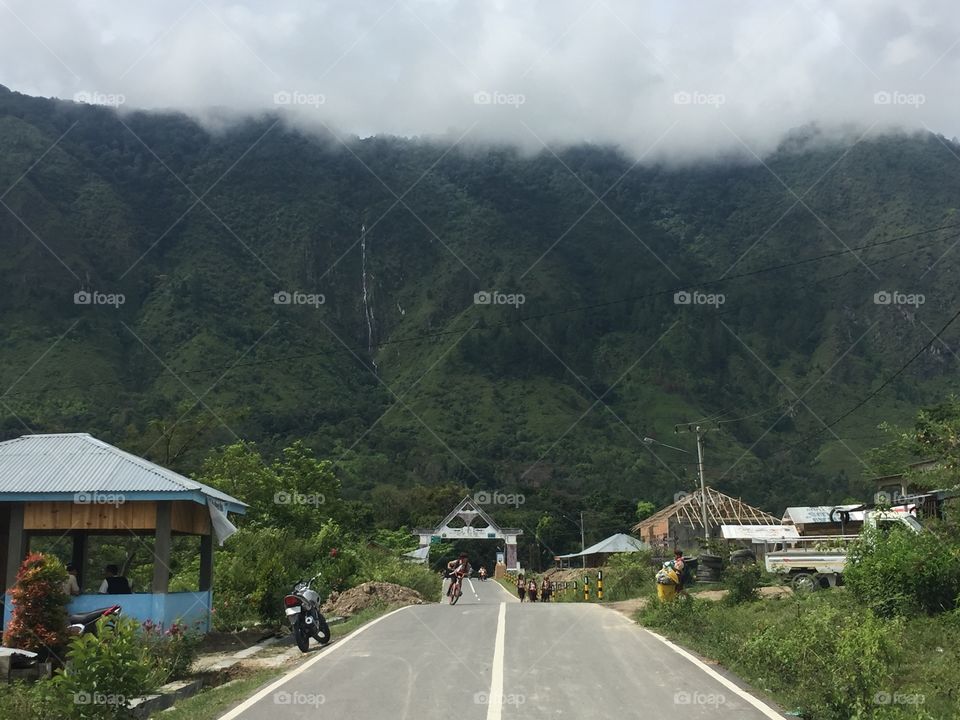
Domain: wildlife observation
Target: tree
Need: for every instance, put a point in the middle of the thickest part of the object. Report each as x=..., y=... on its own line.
x=297, y=491
x=645, y=509
x=935, y=435
x=39, y=619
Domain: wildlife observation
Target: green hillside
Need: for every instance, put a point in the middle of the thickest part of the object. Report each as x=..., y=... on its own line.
x=421, y=385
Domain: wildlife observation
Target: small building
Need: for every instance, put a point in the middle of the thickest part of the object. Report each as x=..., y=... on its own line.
x=817, y=520
x=891, y=488
x=680, y=525
x=598, y=554
x=72, y=486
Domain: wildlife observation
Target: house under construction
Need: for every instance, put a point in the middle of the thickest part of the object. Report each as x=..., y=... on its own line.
x=680, y=525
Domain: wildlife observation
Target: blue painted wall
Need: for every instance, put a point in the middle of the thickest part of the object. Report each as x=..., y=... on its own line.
x=189, y=608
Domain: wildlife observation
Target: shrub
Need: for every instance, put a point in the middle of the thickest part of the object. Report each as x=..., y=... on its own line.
x=173, y=650
x=685, y=615
x=263, y=565
x=853, y=652
x=629, y=575
x=901, y=573
x=743, y=582
x=39, y=619
x=27, y=701
x=375, y=564
x=258, y=570
x=104, y=672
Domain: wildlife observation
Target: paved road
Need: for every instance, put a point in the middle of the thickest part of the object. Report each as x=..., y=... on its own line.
x=491, y=658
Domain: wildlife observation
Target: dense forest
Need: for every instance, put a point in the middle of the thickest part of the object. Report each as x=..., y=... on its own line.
x=436, y=320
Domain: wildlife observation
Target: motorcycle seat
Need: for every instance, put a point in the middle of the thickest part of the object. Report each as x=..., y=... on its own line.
x=86, y=618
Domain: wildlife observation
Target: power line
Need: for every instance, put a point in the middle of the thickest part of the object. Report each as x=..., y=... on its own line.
x=884, y=384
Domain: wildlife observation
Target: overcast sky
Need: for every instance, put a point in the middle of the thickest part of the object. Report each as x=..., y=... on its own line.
x=678, y=79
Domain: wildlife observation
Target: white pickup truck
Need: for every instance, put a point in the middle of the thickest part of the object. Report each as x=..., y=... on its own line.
x=819, y=561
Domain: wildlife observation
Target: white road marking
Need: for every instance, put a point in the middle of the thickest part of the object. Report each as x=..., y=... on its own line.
x=473, y=589
x=495, y=698
x=247, y=704
x=732, y=686
x=510, y=595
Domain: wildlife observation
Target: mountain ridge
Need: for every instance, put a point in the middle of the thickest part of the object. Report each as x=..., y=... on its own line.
x=112, y=206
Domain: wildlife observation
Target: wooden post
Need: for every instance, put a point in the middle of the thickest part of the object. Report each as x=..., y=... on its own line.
x=206, y=562
x=79, y=555
x=161, y=549
x=16, y=544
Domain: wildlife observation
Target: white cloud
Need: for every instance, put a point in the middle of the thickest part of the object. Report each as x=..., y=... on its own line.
x=687, y=80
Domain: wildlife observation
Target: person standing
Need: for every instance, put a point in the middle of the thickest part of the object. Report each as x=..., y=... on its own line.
x=70, y=585
x=681, y=569
x=546, y=590
x=521, y=587
x=532, y=589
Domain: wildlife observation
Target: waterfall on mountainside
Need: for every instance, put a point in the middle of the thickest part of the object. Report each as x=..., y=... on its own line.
x=367, y=307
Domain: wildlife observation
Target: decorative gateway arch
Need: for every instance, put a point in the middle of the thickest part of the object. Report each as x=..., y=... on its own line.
x=468, y=521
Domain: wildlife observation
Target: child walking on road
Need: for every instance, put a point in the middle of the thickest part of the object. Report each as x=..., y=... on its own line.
x=521, y=587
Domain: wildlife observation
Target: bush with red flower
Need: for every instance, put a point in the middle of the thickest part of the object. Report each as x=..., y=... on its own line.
x=39, y=618
x=172, y=648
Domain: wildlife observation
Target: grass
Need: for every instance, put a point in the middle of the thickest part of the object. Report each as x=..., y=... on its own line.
x=825, y=656
x=211, y=703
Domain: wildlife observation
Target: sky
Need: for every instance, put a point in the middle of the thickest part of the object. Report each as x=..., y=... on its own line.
x=686, y=80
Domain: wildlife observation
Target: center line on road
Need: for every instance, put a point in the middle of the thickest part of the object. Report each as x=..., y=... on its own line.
x=495, y=698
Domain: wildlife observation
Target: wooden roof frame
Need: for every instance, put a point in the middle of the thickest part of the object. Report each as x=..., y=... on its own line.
x=721, y=510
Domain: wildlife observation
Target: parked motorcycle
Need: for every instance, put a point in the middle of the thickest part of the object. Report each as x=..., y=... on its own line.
x=302, y=607
x=77, y=624
x=86, y=623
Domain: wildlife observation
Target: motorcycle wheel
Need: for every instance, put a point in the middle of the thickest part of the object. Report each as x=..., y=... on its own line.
x=300, y=637
x=322, y=633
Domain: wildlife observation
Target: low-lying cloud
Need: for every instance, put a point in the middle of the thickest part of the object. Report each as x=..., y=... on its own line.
x=678, y=80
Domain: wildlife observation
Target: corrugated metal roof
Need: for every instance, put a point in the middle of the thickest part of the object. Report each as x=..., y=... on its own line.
x=80, y=463
x=617, y=543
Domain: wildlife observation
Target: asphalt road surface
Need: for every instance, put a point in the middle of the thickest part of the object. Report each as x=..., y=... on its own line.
x=491, y=658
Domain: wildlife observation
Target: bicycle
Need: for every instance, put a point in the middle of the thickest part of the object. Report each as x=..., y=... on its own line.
x=456, y=589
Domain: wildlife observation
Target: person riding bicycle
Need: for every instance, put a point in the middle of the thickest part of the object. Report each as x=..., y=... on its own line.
x=457, y=569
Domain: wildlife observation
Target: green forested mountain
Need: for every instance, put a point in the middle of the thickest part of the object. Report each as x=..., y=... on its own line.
x=400, y=376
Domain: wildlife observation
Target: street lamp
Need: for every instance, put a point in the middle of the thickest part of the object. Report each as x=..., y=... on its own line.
x=651, y=441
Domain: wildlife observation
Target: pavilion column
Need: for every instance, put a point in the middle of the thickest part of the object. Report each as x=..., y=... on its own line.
x=79, y=554
x=206, y=562
x=16, y=544
x=161, y=549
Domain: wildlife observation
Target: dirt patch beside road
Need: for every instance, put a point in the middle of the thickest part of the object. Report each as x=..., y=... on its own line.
x=368, y=594
x=630, y=607
x=767, y=591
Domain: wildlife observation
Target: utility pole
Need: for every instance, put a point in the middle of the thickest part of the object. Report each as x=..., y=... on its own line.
x=583, y=545
x=700, y=431
x=703, y=484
